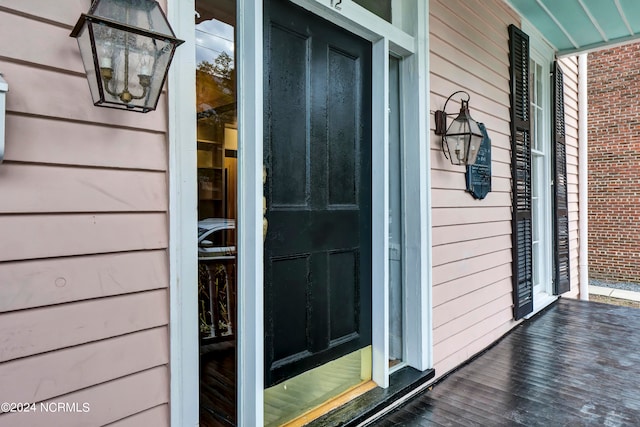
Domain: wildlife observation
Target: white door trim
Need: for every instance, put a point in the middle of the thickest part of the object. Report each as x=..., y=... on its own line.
x=415, y=119
x=380, y=216
x=543, y=54
x=183, y=221
x=359, y=21
x=250, y=239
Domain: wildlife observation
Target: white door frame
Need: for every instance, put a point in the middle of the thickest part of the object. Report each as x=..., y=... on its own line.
x=183, y=198
x=183, y=220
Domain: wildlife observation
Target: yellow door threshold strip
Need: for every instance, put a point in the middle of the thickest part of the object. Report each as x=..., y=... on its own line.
x=331, y=404
x=312, y=389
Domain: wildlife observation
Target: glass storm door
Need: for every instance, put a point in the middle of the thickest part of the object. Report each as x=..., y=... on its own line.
x=217, y=148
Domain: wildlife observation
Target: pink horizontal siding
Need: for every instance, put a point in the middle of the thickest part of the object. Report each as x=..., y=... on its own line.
x=37, y=188
x=458, y=288
x=472, y=291
x=84, y=365
x=84, y=144
x=41, y=282
x=35, y=331
x=67, y=97
x=108, y=402
x=83, y=256
x=45, y=236
x=156, y=417
x=62, y=13
x=469, y=267
x=447, y=312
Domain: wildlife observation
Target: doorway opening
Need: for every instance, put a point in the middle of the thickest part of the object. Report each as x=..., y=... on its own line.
x=217, y=152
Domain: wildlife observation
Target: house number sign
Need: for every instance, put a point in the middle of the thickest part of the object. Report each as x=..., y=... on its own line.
x=336, y=4
x=478, y=175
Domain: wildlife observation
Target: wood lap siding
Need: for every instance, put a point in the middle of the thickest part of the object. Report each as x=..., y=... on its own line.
x=472, y=249
x=84, y=305
x=471, y=239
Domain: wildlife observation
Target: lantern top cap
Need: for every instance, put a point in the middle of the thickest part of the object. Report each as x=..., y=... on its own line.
x=139, y=15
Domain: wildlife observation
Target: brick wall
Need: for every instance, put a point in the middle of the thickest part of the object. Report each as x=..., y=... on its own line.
x=614, y=164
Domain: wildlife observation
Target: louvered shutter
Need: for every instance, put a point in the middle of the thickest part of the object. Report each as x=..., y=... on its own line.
x=521, y=173
x=561, y=221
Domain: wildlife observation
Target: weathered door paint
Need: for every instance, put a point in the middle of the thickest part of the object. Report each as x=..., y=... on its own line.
x=318, y=192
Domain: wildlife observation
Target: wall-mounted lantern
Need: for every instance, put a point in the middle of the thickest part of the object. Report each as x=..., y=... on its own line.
x=126, y=47
x=461, y=140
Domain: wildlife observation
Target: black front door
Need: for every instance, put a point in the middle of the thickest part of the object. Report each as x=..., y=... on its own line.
x=318, y=191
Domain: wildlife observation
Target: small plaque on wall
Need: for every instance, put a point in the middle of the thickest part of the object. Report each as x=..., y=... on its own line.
x=478, y=175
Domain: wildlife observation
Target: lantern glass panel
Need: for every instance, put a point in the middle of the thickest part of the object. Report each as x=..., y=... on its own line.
x=86, y=51
x=475, y=141
x=130, y=64
x=457, y=140
x=474, y=148
x=144, y=14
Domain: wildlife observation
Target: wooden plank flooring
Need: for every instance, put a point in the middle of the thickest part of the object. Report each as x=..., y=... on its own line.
x=576, y=364
x=218, y=385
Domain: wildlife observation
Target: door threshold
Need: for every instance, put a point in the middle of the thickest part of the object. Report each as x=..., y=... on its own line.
x=370, y=403
x=540, y=303
x=331, y=404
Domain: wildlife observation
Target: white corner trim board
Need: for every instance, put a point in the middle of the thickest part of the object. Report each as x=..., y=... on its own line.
x=4, y=88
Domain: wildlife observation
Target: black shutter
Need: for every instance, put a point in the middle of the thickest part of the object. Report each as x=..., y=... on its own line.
x=561, y=221
x=521, y=173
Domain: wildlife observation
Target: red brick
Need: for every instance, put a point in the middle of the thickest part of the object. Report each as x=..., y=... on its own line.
x=614, y=164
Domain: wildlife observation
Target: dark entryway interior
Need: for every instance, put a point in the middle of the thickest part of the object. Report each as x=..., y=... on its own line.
x=575, y=364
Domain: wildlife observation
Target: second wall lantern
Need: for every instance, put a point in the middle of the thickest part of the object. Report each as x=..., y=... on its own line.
x=126, y=47
x=461, y=140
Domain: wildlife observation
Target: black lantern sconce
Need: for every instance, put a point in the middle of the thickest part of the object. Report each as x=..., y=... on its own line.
x=126, y=47
x=461, y=140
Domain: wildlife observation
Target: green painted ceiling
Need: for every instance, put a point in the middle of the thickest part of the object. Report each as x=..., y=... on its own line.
x=575, y=26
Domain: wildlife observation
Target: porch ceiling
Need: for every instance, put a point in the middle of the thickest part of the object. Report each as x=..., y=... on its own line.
x=575, y=26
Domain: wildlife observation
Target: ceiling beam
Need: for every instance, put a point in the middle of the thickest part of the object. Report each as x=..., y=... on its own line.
x=593, y=21
x=564, y=30
x=623, y=16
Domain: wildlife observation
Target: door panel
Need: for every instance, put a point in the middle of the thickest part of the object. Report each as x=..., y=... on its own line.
x=289, y=149
x=318, y=190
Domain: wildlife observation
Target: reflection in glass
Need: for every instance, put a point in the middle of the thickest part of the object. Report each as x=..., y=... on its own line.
x=217, y=147
x=382, y=8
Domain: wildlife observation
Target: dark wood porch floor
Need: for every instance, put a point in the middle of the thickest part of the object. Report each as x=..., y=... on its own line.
x=576, y=364
x=218, y=385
